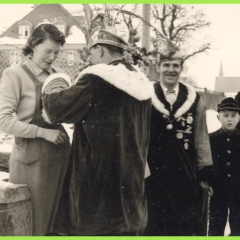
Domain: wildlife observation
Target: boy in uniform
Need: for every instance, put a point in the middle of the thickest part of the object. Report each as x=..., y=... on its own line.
x=225, y=146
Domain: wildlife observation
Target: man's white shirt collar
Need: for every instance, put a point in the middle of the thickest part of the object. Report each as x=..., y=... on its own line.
x=176, y=89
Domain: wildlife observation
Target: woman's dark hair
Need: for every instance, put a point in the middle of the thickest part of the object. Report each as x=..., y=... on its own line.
x=41, y=33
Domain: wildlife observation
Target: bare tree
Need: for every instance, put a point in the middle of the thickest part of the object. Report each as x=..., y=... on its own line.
x=177, y=24
x=128, y=19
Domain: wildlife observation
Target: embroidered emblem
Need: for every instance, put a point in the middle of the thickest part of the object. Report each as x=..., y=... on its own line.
x=188, y=130
x=189, y=119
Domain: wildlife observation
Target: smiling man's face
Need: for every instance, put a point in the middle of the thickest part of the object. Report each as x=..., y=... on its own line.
x=228, y=119
x=170, y=72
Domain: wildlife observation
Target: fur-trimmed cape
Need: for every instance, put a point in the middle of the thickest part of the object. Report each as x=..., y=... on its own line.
x=134, y=83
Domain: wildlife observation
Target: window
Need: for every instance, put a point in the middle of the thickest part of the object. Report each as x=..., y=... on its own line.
x=24, y=31
x=70, y=58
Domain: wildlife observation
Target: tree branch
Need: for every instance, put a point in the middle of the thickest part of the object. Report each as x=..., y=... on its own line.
x=189, y=27
x=162, y=20
x=204, y=48
x=173, y=19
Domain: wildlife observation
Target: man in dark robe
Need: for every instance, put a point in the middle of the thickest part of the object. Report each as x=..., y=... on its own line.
x=179, y=154
x=110, y=105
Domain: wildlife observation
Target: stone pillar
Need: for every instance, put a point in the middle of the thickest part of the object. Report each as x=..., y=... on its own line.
x=15, y=208
x=145, y=28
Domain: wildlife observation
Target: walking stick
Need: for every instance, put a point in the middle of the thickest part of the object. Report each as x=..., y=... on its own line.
x=207, y=193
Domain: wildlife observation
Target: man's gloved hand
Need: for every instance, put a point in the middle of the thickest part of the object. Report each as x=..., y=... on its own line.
x=205, y=185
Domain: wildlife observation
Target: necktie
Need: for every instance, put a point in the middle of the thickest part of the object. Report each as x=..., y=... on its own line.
x=171, y=96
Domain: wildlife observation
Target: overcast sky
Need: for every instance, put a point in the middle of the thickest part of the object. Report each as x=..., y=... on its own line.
x=225, y=35
x=204, y=68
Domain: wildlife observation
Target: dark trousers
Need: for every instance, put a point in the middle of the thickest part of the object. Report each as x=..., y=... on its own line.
x=174, y=219
x=219, y=205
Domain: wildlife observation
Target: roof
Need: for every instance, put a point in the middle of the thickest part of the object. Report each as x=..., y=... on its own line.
x=227, y=84
x=41, y=12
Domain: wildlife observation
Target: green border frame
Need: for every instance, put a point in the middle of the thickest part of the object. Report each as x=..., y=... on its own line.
x=120, y=1
x=112, y=238
x=117, y=2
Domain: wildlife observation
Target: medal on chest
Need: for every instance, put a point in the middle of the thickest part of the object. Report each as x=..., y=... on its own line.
x=186, y=144
x=180, y=128
x=179, y=135
x=169, y=126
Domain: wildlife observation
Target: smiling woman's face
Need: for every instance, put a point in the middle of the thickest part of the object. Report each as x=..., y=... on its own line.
x=45, y=53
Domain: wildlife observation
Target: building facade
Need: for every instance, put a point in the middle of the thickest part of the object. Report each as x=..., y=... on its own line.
x=12, y=40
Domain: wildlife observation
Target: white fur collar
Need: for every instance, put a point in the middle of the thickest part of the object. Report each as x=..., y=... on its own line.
x=45, y=116
x=49, y=79
x=134, y=83
x=184, y=108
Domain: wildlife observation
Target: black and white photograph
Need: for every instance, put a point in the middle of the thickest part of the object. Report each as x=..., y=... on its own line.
x=119, y=120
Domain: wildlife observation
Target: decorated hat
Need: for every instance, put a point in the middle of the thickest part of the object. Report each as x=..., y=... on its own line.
x=229, y=104
x=106, y=32
x=170, y=56
x=166, y=50
x=103, y=29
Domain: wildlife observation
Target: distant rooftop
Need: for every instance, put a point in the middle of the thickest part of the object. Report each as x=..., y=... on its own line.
x=226, y=84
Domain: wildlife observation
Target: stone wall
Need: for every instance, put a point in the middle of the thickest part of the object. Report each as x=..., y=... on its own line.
x=15, y=208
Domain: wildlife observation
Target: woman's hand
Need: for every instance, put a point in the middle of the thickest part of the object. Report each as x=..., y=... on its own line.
x=51, y=135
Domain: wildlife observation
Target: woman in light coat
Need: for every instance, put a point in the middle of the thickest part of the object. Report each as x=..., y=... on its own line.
x=40, y=153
